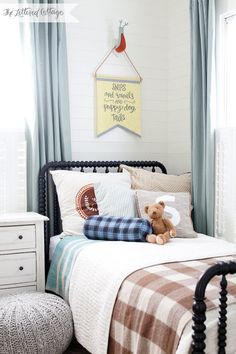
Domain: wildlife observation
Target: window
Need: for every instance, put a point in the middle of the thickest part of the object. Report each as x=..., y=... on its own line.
x=15, y=105
x=12, y=78
x=225, y=209
x=227, y=71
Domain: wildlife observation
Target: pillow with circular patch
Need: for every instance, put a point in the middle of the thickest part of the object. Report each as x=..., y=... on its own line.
x=76, y=195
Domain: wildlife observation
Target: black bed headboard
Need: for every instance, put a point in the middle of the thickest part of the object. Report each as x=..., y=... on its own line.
x=48, y=202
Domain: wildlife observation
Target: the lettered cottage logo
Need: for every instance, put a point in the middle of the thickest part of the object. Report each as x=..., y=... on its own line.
x=38, y=12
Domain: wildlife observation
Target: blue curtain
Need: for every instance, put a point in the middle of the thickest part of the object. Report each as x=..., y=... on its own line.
x=48, y=135
x=202, y=14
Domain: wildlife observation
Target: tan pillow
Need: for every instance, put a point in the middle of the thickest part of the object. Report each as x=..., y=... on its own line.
x=152, y=181
x=178, y=209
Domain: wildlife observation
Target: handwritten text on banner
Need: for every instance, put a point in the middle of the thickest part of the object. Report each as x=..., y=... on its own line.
x=118, y=104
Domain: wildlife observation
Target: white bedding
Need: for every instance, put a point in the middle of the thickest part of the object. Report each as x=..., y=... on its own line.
x=100, y=269
x=53, y=244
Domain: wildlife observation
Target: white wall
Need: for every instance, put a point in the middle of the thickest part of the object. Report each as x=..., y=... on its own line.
x=157, y=38
x=225, y=5
x=178, y=109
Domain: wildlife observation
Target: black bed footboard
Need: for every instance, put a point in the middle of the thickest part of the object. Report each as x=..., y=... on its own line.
x=199, y=307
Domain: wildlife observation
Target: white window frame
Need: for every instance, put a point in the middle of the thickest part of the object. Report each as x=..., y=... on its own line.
x=222, y=70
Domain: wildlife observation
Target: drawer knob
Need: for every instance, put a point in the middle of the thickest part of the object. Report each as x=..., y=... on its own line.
x=21, y=268
x=20, y=237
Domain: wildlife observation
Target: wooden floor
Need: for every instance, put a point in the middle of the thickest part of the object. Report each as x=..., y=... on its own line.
x=75, y=348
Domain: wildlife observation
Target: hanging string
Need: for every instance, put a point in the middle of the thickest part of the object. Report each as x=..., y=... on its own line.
x=132, y=64
x=130, y=61
x=106, y=57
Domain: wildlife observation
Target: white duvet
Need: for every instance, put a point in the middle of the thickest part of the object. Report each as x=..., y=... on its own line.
x=101, y=268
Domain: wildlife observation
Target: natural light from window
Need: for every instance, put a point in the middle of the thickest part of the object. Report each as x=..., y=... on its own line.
x=15, y=79
x=225, y=157
x=228, y=118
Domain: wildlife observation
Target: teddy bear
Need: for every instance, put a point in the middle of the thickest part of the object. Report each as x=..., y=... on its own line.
x=162, y=227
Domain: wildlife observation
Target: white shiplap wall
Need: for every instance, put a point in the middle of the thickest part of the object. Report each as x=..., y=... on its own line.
x=164, y=88
x=178, y=110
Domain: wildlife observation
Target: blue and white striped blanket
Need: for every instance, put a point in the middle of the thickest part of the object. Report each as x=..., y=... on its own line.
x=64, y=257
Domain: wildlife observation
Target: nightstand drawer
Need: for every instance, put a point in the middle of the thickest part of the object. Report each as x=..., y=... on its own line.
x=17, y=237
x=13, y=291
x=17, y=268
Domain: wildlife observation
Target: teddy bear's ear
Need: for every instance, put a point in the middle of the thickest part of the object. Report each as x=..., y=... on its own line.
x=162, y=204
x=146, y=209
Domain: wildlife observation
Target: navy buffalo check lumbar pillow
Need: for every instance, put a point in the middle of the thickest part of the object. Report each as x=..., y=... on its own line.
x=117, y=229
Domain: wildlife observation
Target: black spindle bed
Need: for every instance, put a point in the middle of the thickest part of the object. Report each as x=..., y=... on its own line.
x=48, y=205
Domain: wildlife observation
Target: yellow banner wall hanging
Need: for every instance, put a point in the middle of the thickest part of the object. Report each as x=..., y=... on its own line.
x=118, y=104
x=118, y=99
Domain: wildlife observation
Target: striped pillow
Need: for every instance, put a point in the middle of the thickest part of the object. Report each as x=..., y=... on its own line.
x=116, y=229
x=158, y=182
x=115, y=200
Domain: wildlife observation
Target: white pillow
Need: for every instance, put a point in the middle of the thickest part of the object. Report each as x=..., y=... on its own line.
x=76, y=195
x=115, y=200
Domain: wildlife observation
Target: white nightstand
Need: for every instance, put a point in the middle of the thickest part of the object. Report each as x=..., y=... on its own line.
x=21, y=252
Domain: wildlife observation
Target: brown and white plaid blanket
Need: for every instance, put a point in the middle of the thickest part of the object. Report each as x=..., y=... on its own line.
x=154, y=305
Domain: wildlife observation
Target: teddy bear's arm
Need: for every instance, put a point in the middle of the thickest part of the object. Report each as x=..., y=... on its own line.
x=169, y=226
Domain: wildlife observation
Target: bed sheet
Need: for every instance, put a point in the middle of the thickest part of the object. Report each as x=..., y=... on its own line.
x=54, y=240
